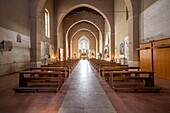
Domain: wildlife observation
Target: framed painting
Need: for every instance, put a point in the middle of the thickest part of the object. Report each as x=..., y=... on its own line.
x=122, y=48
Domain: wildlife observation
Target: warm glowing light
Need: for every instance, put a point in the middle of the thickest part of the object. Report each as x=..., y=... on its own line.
x=52, y=56
x=113, y=56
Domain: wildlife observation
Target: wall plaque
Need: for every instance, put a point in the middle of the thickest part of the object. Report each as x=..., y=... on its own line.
x=19, y=38
x=5, y=46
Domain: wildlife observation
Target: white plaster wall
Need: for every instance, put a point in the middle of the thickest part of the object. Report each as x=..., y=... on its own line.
x=155, y=21
x=19, y=57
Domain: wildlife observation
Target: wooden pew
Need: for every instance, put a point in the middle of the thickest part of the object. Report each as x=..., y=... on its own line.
x=118, y=68
x=96, y=62
x=49, y=69
x=68, y=68
x=45, y=76
x=71, y=63
x=124, y=76
x=53, y=77
x=101, y=65
x=35, y=89
x=147, y=76
x=45, y=81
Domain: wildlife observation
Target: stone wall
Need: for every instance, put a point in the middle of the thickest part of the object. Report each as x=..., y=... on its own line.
x=19, y=57
x=49, y=6
x=15, y=16
x=14, y=21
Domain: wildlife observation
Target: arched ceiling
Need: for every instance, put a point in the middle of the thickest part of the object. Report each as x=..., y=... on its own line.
x=83, y=25
x=90, y=17
x=77, y=36
x=66, y=36
x=63, y=15
x=65, y=10
x=82, y=10
x=85, y=21
x=71, y=20
x=40, y=3
x=83, y=29
x=86, y=33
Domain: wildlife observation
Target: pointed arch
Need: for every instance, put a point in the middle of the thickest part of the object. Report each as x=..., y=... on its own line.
x=66, y=36
x=76, y=33
x=82, y=5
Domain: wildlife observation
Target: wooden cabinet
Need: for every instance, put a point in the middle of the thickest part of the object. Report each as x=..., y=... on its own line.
x=146, y=57
x=155, y=56
x=161, y=53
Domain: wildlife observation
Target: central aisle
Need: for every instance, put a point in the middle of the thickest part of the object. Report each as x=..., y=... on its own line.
x=85, y=94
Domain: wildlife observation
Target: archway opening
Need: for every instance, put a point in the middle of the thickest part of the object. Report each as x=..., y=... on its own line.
x=85, y=8
x=95, y=47
x=83, y=47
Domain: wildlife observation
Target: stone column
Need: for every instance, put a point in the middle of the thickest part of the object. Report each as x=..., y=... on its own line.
x=103, y=45
x=112, y=46
x=40, y=34
x=55, y=44
x=134, y=35
x=36, y=34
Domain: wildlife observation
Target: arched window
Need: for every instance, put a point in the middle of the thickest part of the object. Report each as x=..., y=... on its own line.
x=83, y=43
x=47, y=23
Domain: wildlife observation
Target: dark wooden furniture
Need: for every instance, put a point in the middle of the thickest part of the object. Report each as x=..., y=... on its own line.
x=125, y=75
x=118, y=68
x=133, y=77
x=161, y=53
x=40, y=81
x=40, y=77
x=50, y=69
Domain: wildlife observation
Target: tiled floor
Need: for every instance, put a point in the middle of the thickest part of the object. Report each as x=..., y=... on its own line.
x=84, y=92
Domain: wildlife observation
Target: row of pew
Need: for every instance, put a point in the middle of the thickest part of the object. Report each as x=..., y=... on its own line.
x=124, y=78
x=47, y=78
